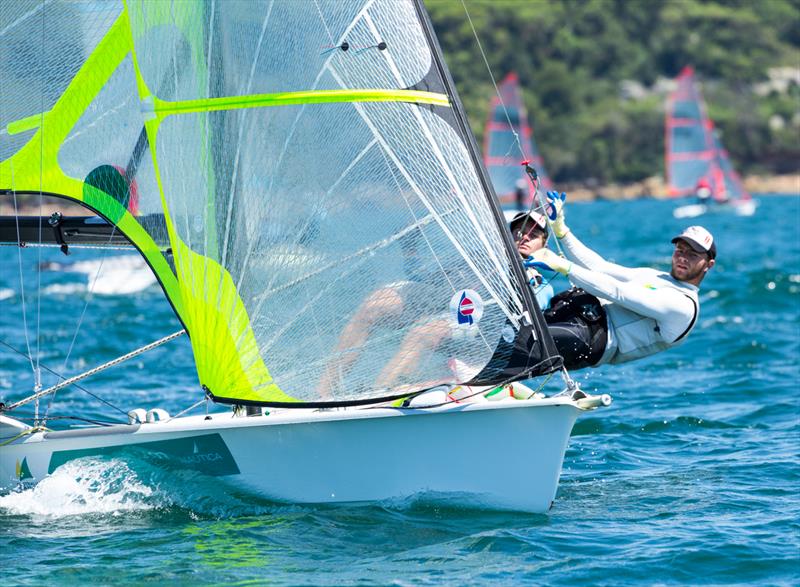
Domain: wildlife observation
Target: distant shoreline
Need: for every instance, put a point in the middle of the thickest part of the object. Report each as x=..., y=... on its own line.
x=653, y=187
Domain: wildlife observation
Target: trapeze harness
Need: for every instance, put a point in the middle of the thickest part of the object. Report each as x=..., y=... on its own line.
x=578, y=323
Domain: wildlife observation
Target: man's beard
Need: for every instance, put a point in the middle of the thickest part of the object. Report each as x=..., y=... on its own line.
x=690, y=275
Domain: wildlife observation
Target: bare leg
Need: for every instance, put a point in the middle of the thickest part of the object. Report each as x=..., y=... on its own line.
x=419, y=341
x=381, y=304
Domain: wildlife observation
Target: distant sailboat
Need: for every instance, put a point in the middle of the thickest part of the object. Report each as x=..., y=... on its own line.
x=695, y=161
x=501, y=152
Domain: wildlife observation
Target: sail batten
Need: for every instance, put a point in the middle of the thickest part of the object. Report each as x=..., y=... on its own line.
x=164, y=109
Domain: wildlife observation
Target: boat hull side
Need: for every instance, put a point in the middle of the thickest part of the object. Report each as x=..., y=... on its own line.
x=501, y=456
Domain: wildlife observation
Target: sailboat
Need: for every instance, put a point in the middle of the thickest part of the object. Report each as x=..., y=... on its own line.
x=291, y=159
x=696, y=162
x=507, y=132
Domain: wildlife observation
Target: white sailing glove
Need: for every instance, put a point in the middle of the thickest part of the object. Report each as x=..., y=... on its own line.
x=552, y=261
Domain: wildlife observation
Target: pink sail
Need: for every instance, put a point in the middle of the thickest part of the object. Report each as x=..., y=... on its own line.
x=694, y=155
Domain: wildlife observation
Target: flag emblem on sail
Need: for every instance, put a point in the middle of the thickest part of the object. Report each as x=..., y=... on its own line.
x=467, y=308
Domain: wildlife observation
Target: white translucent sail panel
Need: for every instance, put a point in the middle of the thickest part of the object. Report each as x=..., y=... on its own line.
x=337, y=227
x=42, y=47
x=70, y=116
x=243, y=47
x=355, y=232
x=109, y=148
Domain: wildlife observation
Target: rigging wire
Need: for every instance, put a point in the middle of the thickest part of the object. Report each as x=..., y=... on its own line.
x=492, y=77
x=30, y=417
x=95, y=370
x=190, y=408
x=37, y=373
x=89, y=299
x=536, y=195
x=22, y=280
x=49, y=370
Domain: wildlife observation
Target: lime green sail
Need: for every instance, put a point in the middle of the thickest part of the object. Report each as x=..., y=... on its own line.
x=292, y=162
x=226, y=351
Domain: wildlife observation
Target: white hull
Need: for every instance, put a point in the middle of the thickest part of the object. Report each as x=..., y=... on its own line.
x=505, y=454
x=738, y=207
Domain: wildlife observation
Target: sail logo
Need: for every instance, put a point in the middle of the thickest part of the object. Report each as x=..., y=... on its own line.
x=22, y=470
x=466, y=308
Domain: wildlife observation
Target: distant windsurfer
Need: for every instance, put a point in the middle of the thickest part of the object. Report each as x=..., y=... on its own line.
x=622, y=313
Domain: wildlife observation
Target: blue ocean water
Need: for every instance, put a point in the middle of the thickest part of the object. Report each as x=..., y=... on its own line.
x=690, y=477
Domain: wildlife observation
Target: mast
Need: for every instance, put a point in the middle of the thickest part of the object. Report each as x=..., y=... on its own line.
x=540, y=331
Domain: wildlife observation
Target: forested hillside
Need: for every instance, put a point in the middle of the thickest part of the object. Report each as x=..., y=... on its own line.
x=595, y=74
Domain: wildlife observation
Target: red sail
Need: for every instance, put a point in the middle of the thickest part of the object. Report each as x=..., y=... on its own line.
x=694, y=156
x=501, y=151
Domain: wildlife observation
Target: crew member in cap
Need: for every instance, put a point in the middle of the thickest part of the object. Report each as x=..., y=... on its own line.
x=529, y=230
x=620, y=313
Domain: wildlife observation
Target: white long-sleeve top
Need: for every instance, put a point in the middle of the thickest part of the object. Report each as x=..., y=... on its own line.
x=647, y=310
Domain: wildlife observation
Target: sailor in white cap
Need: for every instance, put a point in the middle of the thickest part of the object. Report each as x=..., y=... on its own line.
x=529, y=230
x=622, y=313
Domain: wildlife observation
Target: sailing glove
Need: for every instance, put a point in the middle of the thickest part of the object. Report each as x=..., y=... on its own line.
x=555, y=213
x=552, y=262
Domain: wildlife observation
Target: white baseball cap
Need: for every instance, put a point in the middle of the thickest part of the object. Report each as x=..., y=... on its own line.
x=699, y=239
x=531, y=218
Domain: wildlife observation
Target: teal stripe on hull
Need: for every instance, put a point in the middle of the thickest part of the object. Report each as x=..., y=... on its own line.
x=207, y=454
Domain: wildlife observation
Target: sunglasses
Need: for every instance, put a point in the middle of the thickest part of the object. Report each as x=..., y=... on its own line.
x=530, y=234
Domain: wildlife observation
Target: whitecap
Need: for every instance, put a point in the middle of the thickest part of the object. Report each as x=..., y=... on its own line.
x=64, y=289
x=115, y=275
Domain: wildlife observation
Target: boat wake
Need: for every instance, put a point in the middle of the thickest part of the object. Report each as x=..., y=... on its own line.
x=96, y=486
x=80, y=487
